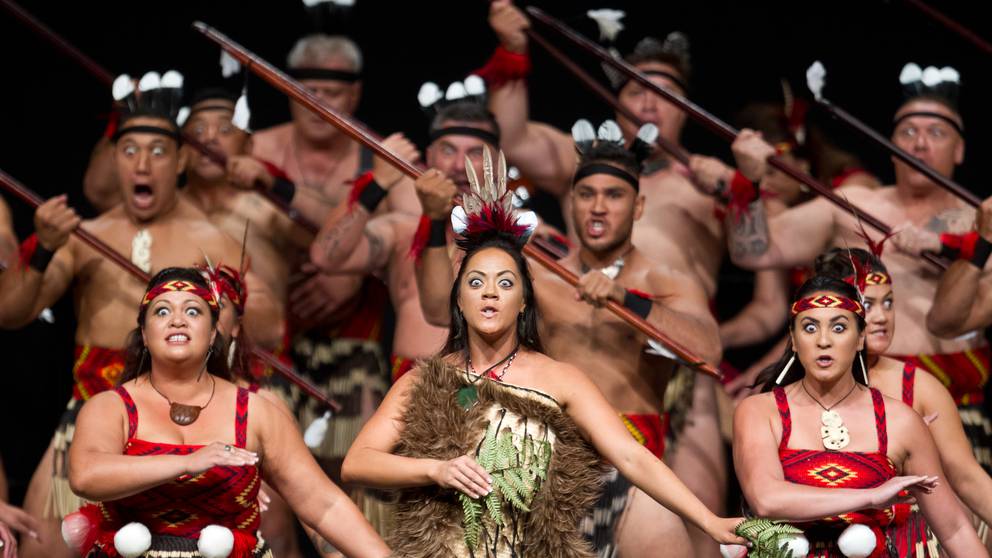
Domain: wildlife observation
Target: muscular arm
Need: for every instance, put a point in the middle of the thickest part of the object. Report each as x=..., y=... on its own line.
x=291, y=469
x=681, y=309
x=100, y=184
x=791, y=238
x=434, y=280
x=763, y=316
x=970, y=481
x=25, y=292
x=963, y=302
x=349, y=242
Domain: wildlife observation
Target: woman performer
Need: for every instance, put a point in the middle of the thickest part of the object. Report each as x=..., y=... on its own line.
x=495, y=446
x=820, y=396
x=190, y=487
x=900, y=380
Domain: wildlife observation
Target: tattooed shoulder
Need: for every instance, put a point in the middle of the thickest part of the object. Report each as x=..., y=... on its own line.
x=952, y=221
x=748, y=232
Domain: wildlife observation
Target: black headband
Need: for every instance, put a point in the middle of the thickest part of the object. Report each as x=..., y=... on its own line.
x=209, y=108
x=324, y=74
x=600, y=168
x=678, y=81
x=145, y=129
x=937, y=115
x=485, y=135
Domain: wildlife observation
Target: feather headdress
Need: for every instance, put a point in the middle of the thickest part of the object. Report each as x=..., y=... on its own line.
x=154, y=95
x=487, y=210
x=432, y=99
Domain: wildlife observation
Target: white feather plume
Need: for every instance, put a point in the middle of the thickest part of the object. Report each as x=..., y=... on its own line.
x=229, y=65
x=608, y=21
x=527, y=219
x=474, y=85
x=949, y=74
x=610, y=131
x=149, y=81
x=123, y=86
x=931, y=76
x=648, y=133
x=582, y=131
x=816, y=78
x=242, y=114
x=429, y=94
x=314, y=435
x=172, y=79
x=182, y=116
x=455, y=91
x=910, y=73
x=459, y=220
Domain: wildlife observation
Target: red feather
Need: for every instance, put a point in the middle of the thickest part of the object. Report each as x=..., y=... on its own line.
x=420, y=238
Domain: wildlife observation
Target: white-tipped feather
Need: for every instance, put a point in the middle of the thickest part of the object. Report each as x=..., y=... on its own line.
x=149, y=81
x=172, y=79
x=608, y=21
x=473, y=180
x=816, y=78
x=459, y=221
x=312, y=3
x=474, y=85
x=429, y=94
x=657, y=349
x=910, y=73
x=949, y=74
x=123, y=86
x=582, y=131
x=931, y=76
x=455, y=91
x=314, y=435
x=229, y=65
x=488, y=185
x=648, y=133
x=501, y=173
x=242, y=114
x=527, y=219
x=610, y=131
x=182, y=116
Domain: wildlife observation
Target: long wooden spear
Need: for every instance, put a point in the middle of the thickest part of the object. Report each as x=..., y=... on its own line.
x=102, y=74
x=711, y=122
x=24, y=193
x=815, y=80
x=957, y=28
x=359, y=133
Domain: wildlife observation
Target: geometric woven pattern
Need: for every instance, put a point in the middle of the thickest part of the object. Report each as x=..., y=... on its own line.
x=96, y=369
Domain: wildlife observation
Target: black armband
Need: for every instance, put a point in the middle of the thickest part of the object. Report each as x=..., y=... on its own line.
x=284, y=189
x=439, y=233
x=41, y=258
x=637, y=304
x=371, y=196
x=983, y=249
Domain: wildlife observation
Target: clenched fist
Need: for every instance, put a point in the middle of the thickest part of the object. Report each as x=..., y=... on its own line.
x=387, y=175
x=509, y=23
x=54, y=221
x=752, y=153
x=436, y=193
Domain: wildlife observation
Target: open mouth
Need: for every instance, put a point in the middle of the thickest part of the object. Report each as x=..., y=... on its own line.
x=489, y=311
x=879, y=333
x=177, y=339
x=143, y=196
x=596, y=228
x=824, y=361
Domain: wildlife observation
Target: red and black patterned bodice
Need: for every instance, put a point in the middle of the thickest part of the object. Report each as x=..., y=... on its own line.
x=226, y=496
x=839, y=469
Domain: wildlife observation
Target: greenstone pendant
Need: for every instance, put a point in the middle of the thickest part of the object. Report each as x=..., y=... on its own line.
x=467, y=397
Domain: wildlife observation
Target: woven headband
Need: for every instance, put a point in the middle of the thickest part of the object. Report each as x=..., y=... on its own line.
x=827, y=301
x=180, y=285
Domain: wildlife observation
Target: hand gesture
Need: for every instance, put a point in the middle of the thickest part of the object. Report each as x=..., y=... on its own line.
x=464, y=475
x=245, y=171
x=54, y=220
x=436, y=193
x=509, y=23
x=386, y=175
x=751, y=153
x=893, y=491
x=723, y=530
x=597, y=289
x=710, y=175
x=218, y=454
x=914, y=240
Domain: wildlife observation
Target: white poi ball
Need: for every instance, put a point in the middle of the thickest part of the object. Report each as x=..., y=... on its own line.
x=857, y=541
x=75, y=527
x=798, y=544
x=733, y=550
x=216, y=541
x=132, y=540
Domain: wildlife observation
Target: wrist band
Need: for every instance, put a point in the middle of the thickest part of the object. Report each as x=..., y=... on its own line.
x=439, y=234
x=950, y=246
x=638, y=304
x=42, y=257
x=371, y=196
x=504, y=66
x=983, y=249
x=284, y=189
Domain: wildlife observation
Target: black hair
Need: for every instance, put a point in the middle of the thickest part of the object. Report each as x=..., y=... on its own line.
x=136, y=359
x=674, y=51
x=527, y=332
x=837, y=263
x=817, y=283
x=613, y=154
x=465, y=111
x=213, y=93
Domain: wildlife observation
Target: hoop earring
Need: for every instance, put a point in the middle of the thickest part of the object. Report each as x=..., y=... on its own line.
x=864, y=369
x=785, y=370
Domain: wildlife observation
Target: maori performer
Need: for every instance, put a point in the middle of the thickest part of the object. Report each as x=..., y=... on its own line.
x=157, y=456
x=847, y=495
x=606, y=203
x=929, y=126
x=158, y=228
x=494, y=444
x=354, y=240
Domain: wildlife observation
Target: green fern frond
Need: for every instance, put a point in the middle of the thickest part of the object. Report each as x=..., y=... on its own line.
x=767, y=537
x=471, y=512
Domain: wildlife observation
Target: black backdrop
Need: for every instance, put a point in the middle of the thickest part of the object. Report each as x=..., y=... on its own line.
x=51, y=110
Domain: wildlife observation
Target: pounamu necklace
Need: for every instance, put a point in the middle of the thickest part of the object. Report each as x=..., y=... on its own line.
x=185, y=415
x=833, y=433
x=468, y=396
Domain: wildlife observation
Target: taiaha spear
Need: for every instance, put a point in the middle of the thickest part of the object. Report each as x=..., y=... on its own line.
x=359, y=133
x=815, y=80
x=22, y=192
x=107, y=78
x=715, y=125
x=946, y=21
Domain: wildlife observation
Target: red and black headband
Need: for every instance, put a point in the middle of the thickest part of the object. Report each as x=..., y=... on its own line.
x=180, y=285
x=827, y=301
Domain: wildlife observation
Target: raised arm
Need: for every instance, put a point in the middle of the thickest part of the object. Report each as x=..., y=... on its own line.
x=100, y=184
x=763, y=482
x=601, y=425
x=761, y=318
x=26, y=292
x=542, y=153
x=433, y=271
x=291, y=469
